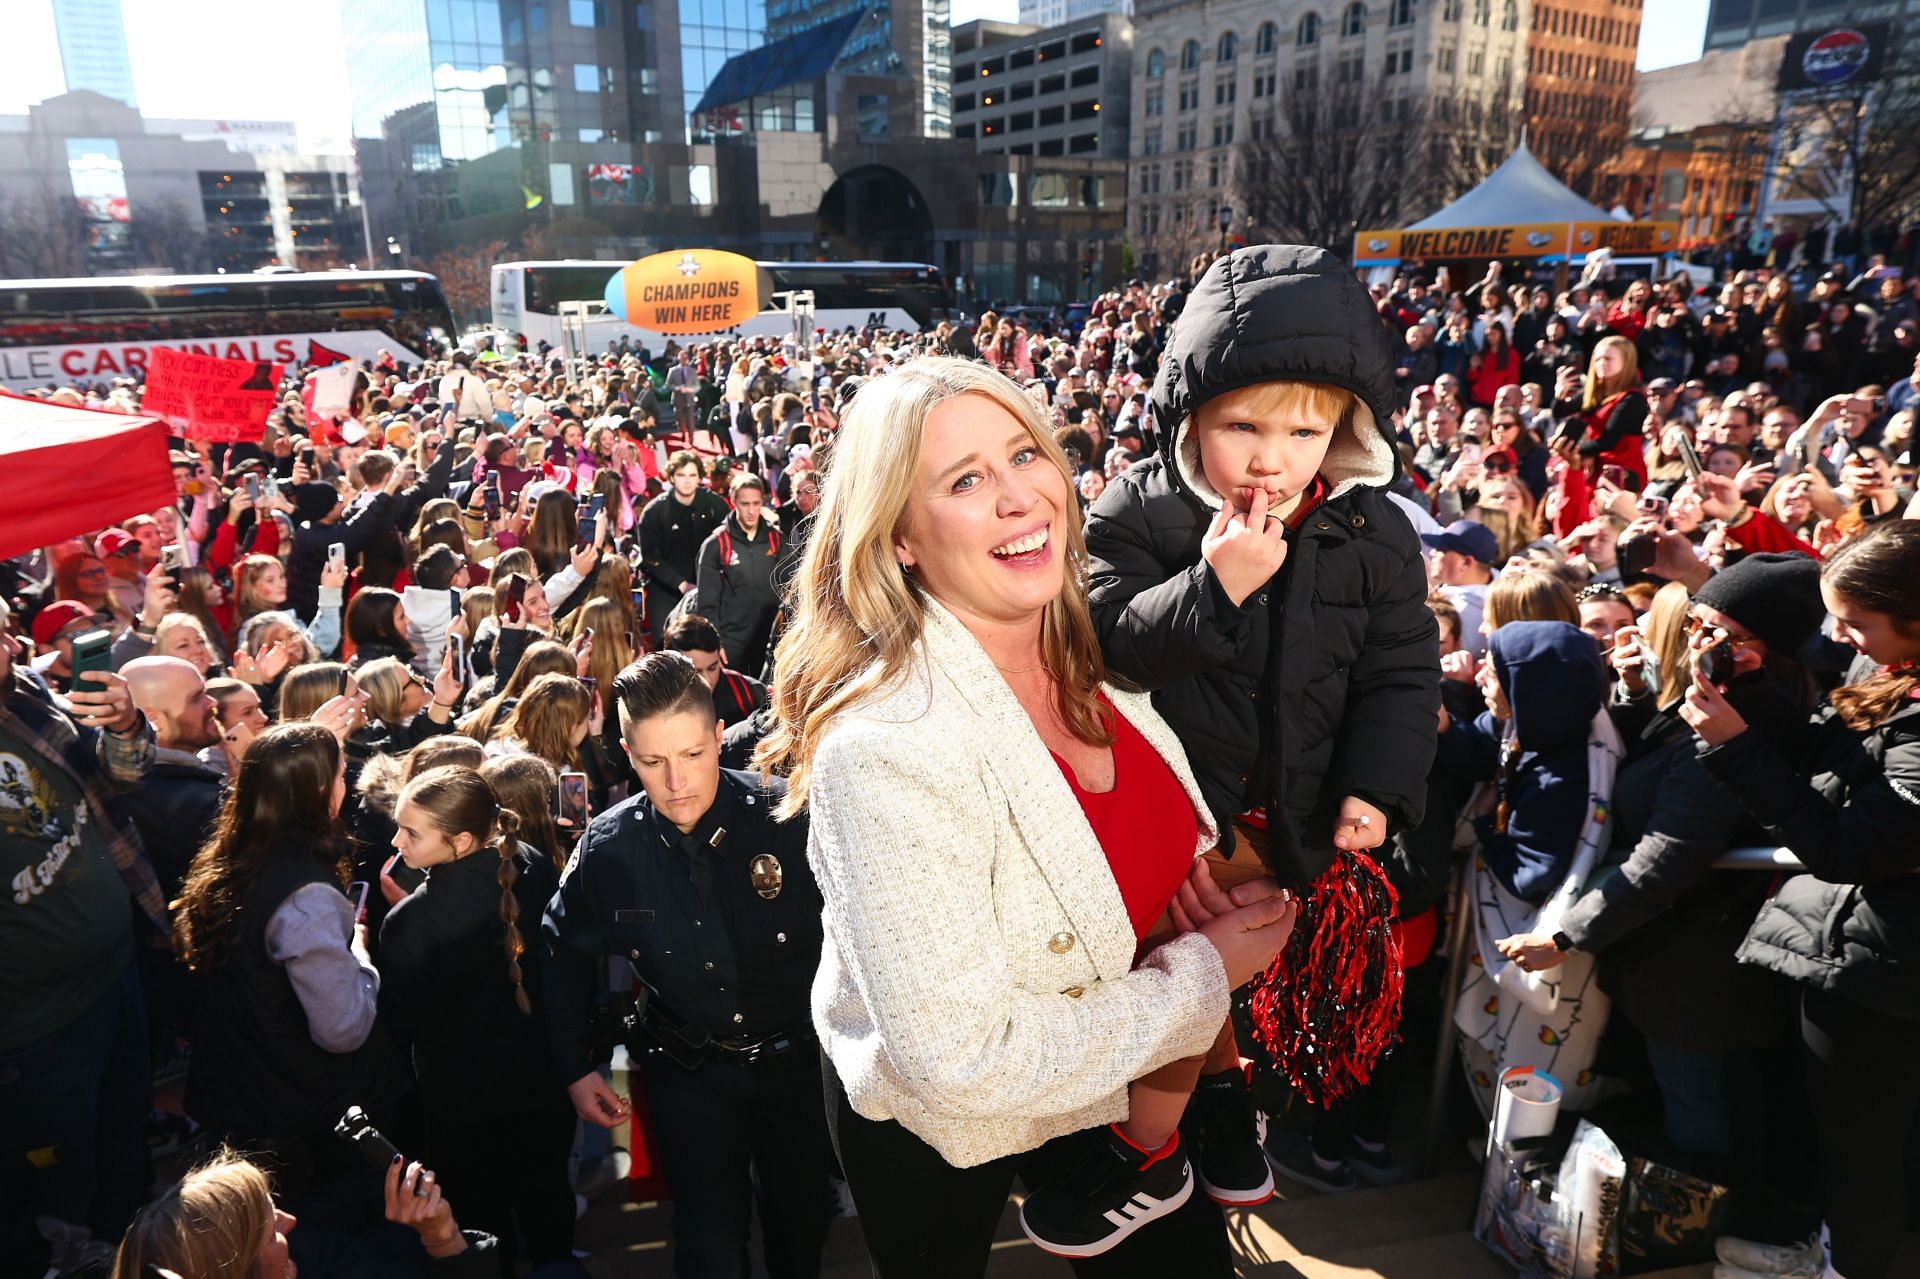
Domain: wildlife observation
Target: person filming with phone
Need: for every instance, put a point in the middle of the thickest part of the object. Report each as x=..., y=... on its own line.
x=713, y=903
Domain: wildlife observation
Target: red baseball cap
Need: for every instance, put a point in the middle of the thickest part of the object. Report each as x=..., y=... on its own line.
x=115, y=542
x=56, y=617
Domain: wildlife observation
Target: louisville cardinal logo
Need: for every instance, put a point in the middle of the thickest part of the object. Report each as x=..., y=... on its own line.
x=321, y=356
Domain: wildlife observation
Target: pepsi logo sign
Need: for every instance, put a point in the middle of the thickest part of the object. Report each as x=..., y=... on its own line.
x=1835, y=57
x=1538, y=238
x=1377, y=245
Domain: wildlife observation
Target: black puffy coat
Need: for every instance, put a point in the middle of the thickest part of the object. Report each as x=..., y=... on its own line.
x=1849, y=809
x=1325, y=683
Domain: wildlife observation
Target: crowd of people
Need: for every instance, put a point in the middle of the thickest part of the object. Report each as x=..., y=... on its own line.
x=335, y=783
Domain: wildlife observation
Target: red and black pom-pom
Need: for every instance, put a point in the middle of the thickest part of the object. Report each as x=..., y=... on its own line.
x=1328, y=1008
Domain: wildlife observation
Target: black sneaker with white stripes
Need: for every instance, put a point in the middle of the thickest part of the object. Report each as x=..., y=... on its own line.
x=1118, y=1190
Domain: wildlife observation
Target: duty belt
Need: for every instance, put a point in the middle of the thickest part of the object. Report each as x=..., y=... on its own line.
x=655, y=1030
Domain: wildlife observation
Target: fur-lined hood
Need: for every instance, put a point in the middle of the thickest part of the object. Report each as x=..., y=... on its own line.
x=1270, y=313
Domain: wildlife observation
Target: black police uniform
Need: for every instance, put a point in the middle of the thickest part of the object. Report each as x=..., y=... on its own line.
x=723, y=925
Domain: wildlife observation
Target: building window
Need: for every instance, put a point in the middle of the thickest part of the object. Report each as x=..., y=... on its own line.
x=1087, y=110
x=1084, y=76
x=1020, y=121
x=1223, y=131
x=1149, y=141
x=1306, y=77
x=1050, y=116
x=1050, y=191
x=1309, y=32
x=1400, y=13
x=1000, y=190
x=1189, y=96
x=1510, y=17
x=1085, y=42
x=993, y=128
x=1187, y=138
x=1215, y=164
x=1354, y=22
x=963, y=102
x=592, y=135
x=1156, y=64
x=1503, y=69
x=1263, y=84
x=1223, y=93
x=1052, y=146
x=993, y=66
x=1482, y=12
x=1228, y=49
x=587, y=13
x=963, y=131
x=1476, y=62
x=1020, y=58
x=1081, y=143
x=1154, y=103
x=962, y=71
x=1443, y=58
x=1055, y=83
x=1020, y=91
x=1190, y=56
x=1054, y=51
x=1266, y=40
x=1450, y=11
x=1182, y=174
x=586, y=77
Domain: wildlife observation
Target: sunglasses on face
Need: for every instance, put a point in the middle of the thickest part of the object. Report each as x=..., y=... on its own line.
x=1498, y=468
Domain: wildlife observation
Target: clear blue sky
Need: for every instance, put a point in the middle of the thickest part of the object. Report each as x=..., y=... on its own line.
x=232, y=59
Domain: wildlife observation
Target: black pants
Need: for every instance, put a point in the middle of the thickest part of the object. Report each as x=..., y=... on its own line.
x=925, y=1219
x=504, y=1169
x=1863, y=1073
x=713, y=1125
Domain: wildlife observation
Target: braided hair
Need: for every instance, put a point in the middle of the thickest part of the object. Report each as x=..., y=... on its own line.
x=458, y=800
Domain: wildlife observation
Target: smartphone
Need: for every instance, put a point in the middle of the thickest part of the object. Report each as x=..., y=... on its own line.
x=490, y=498
x=639, y=604
x=358, y=891
x=271, y=486
x=459, y=646
x=172, y=558
x=92, y=654
x=306, y=457
x=1651, y=505
x=337, y=554
x=589, y=526
x=404, y=875
x=1690, y=458
x=1614, y=474
x=1717, y=664
x=596, y=502
x=592, y=683
x=1636, y=556
x=253, y=487
x=570, y=800
x=512, y=597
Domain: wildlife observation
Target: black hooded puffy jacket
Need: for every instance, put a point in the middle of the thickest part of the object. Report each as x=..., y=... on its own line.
x=1324, y=683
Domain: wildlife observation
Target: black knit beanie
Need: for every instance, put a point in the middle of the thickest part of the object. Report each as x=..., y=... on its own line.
x=1775, y=595
x=314, y=501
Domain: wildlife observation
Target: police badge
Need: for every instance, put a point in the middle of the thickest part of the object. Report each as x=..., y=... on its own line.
x=767, y=875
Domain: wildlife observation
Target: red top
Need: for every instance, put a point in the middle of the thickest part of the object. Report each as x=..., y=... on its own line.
x=1145, y=824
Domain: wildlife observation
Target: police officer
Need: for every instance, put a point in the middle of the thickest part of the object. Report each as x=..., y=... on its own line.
x=713, y=904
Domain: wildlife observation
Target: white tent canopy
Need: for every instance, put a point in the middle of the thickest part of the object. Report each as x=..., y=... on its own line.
x=1519, y=191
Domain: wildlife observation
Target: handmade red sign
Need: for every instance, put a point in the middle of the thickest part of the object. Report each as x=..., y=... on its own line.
x=222, y=401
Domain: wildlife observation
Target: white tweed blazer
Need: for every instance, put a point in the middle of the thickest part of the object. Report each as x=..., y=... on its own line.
x=977, y=980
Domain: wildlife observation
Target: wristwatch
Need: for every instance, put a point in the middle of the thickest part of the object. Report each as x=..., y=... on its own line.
x=1563, y=943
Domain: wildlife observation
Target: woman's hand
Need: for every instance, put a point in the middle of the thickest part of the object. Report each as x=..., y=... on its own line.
x=1533, y=952
x=583, y=655
x=414, y=1200
x=1459, y=665
x=334, y=575
x=1628, y=657
x=1708, y=713
x=340, y=715
x=389, y=886
x=447, y=687
x=1248, y=937
x=585, y=558
x=156, y=599
x=238, y=503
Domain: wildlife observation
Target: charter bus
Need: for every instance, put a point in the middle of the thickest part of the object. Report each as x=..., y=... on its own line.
x=60, y=331
x=908, y=296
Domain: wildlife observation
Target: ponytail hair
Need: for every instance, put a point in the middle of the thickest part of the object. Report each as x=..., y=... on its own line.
x=1879, y=572
x=458, y=800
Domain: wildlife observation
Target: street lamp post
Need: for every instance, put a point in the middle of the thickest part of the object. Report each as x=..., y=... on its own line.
x=1226, y=221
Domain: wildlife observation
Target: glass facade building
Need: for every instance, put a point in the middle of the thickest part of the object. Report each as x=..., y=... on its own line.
x=93, y=48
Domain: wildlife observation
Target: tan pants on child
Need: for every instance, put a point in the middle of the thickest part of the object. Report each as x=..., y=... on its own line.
x=1248, y=862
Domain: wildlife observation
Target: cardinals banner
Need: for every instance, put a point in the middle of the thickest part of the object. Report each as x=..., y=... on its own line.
x=221, y=401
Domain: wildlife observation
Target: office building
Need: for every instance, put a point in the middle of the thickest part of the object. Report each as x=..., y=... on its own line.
x=88, y=186
x=1579, y=89
x=1732, y=22
x=93, y=48
x=1053, y=13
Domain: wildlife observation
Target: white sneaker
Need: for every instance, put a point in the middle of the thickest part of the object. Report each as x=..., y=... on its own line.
x=1741, y=1258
